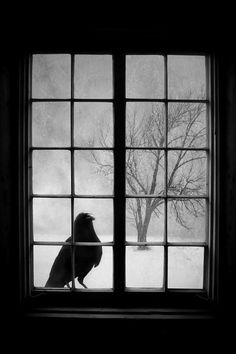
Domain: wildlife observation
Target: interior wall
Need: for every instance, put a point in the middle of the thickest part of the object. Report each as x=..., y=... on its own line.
x=9, y=191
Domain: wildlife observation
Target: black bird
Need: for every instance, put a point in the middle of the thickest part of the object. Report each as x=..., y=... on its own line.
x=86, y=257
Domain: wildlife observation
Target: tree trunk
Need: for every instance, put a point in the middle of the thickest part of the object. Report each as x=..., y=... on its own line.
x=142, y=230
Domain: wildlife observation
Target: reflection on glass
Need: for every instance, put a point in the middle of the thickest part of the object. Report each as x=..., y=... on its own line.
x=100, y=276
x=93, y=76
x=145, y=124
x=52, y=219
x=144, y=267
x=187, y=125
x=94, y=172
x=93, y=123
x=186, y=77
x=187, y=172
x=102, y=211
x=44, y=257
x=51, y=124
x=187, y=220
x=51, y=172
x=185, y=267
x=145, y=172
x=144, y=76
x=144, y=219
x=51, y=76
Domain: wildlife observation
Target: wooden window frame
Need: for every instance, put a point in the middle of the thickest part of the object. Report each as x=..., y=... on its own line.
x=120, y=297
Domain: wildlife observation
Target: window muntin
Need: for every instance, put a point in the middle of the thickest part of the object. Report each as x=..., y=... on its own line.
x=166, y=144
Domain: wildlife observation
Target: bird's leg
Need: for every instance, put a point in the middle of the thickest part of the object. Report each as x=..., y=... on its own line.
x=68, y=285
x=81, y=282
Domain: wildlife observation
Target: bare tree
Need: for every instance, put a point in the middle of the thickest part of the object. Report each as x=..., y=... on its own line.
x=150, y=173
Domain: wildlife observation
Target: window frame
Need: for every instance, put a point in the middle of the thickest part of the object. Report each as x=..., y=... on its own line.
x=134, y=298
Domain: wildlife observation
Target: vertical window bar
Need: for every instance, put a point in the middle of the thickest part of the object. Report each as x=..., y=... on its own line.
x=209, y=126
x=72, y=169
x=119, y=175
x=30, y=180
x=165, y=273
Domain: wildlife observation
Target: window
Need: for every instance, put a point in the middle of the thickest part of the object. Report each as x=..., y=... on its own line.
x=126, y=138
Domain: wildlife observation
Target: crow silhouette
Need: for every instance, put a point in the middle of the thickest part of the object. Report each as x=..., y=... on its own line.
x=86, y=257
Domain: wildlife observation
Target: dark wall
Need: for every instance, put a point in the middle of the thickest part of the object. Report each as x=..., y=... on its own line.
x=9, y=191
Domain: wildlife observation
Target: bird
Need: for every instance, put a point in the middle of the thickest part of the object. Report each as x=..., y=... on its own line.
x=85, y=257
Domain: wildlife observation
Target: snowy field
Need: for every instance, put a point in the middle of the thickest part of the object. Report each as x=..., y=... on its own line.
x=144, y=268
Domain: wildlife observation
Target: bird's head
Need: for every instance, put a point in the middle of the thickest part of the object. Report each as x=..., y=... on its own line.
x=84, y=218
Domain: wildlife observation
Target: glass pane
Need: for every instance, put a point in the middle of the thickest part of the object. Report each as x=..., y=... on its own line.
x=187, y=125
x=93, y=76
x=144, y=219
x=144, y=76
x=51, y=76
x=44, y=257
x=51, y=172
x=102, y=211
x=144, y=267
x=187, y=220
x=145, y=172
x=187, y=172
x=51, y=124
x=51, y=219
x=185, y=267
x=186, y=77
x=94, y=277
x=93, y=124
x=145, y=124
x=94, y=172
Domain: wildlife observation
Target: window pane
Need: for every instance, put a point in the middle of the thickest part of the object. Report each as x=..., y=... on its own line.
x=51, y=76
x=93, y=124
x=145, y=172
x=93, y=76
x=144, y=219
x=185, y=267
x=186, y=77
x=187, y=125
x=52, y=219
x=51, y=124
x=51, y=172
x=44, y=257
x=93, y=172
x=97, y=277
x=102, y=211
x=144, y=267
x=187, y=220
x=145, y=124
x=187, y=173
x=144, y=76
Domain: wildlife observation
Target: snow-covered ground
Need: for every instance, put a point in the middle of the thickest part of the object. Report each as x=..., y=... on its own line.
x=144, y=268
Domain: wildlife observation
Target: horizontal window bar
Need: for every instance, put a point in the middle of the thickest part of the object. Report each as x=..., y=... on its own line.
x=72, y=99
x=59, y=243
x=70, y=148
x=166, y=100
x=187, y=244
x=127, y=243
x=143, y=289
x=72, y=196
x=167, y=148
x=39, y=289
x=181, y=197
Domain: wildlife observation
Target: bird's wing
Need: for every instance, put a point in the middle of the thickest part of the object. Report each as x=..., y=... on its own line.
x=98, y=256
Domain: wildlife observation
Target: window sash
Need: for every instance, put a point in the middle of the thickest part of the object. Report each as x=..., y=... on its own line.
x=119, y=197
